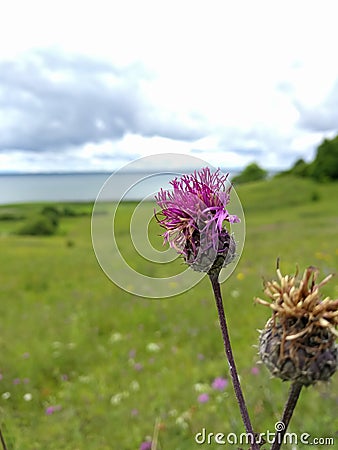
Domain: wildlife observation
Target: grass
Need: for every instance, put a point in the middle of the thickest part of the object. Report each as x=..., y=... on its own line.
x=78, y=366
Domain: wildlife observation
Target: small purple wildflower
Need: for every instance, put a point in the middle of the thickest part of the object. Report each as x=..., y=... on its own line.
x=51, y=409
x=200, y=356
x=146, y=445
x=203, y=398
x=255, y=370
x=134, y=412
x=132, y=353
x=16, y=381
x=193, y=215
x=1, y=376
x=138, y=366
x=219, y=384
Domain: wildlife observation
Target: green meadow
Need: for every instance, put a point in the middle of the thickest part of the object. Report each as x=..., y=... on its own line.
x=85, y=365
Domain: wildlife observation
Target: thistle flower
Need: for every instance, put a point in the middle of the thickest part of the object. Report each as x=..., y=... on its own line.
x=193, y=215
x=298, y=341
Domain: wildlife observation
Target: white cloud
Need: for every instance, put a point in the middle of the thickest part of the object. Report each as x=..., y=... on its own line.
x=233, y=80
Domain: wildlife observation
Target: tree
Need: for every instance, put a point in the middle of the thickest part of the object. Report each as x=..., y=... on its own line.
x=300, y=168
x=252, y=172
x=325, y=165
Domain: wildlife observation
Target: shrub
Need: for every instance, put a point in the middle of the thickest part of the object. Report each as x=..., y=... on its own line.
x=52, y=213
x=38, y=226
x=251, y=173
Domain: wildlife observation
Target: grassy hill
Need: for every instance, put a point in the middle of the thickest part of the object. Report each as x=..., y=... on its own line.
x=86, y=365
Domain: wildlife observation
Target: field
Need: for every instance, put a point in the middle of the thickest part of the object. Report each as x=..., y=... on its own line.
x=87, y=365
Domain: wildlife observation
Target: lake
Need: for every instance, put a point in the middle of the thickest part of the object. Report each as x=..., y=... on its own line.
x=82, y=187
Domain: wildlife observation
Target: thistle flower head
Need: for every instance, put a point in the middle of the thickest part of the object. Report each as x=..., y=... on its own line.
x=298, y=341
x=193, y=214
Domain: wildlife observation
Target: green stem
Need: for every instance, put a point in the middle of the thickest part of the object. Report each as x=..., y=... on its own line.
x=2, y=440
x=228, y=351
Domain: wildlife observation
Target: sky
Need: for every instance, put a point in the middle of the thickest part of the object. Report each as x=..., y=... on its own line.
x=93, y=85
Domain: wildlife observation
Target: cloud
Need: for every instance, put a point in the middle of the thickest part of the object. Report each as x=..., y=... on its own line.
x=52, y=101
x=322, y=117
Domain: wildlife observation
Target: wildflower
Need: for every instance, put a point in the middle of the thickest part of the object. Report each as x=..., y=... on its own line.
x=219, y=384
x=117, y=398
x=201, y=387
x=255, y=370
x=6, y=395
x=234, y=293
x=56, y=344
x=153, y=347
x=138, y=366
x=298, y=341
x=146, y=445
x=193, y=215
x=16, y=381
x=132, y=353
x=135, y=385
x=203, y=398
x=115, y=337
x=27, y=397
x=52, y=409
x=181, y=422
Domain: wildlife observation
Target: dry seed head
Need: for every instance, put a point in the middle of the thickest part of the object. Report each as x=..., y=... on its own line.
x=298, y=342
x=293, y=299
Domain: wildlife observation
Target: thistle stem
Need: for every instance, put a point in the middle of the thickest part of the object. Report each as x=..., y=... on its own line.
x=2, y=440
x=228, y=351
x=290, y=405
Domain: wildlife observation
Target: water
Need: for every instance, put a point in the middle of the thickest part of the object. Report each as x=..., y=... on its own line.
x=80, y=187
x=83, y=187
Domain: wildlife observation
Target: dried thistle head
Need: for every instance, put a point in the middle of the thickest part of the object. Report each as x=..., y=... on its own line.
x=298, y=341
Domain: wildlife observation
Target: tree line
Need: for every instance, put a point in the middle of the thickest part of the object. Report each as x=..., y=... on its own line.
x=322, y=169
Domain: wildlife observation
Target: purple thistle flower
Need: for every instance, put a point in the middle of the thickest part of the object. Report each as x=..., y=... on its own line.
x=193, y=215
x=219, y=383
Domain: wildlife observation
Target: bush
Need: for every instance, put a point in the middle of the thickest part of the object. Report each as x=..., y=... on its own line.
x=40, y=225
x=52, y=213
x=251, y=173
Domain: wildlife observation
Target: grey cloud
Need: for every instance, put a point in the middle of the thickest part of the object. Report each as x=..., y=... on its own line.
x=322, y=118
x=252, y=151
x=49, y=100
